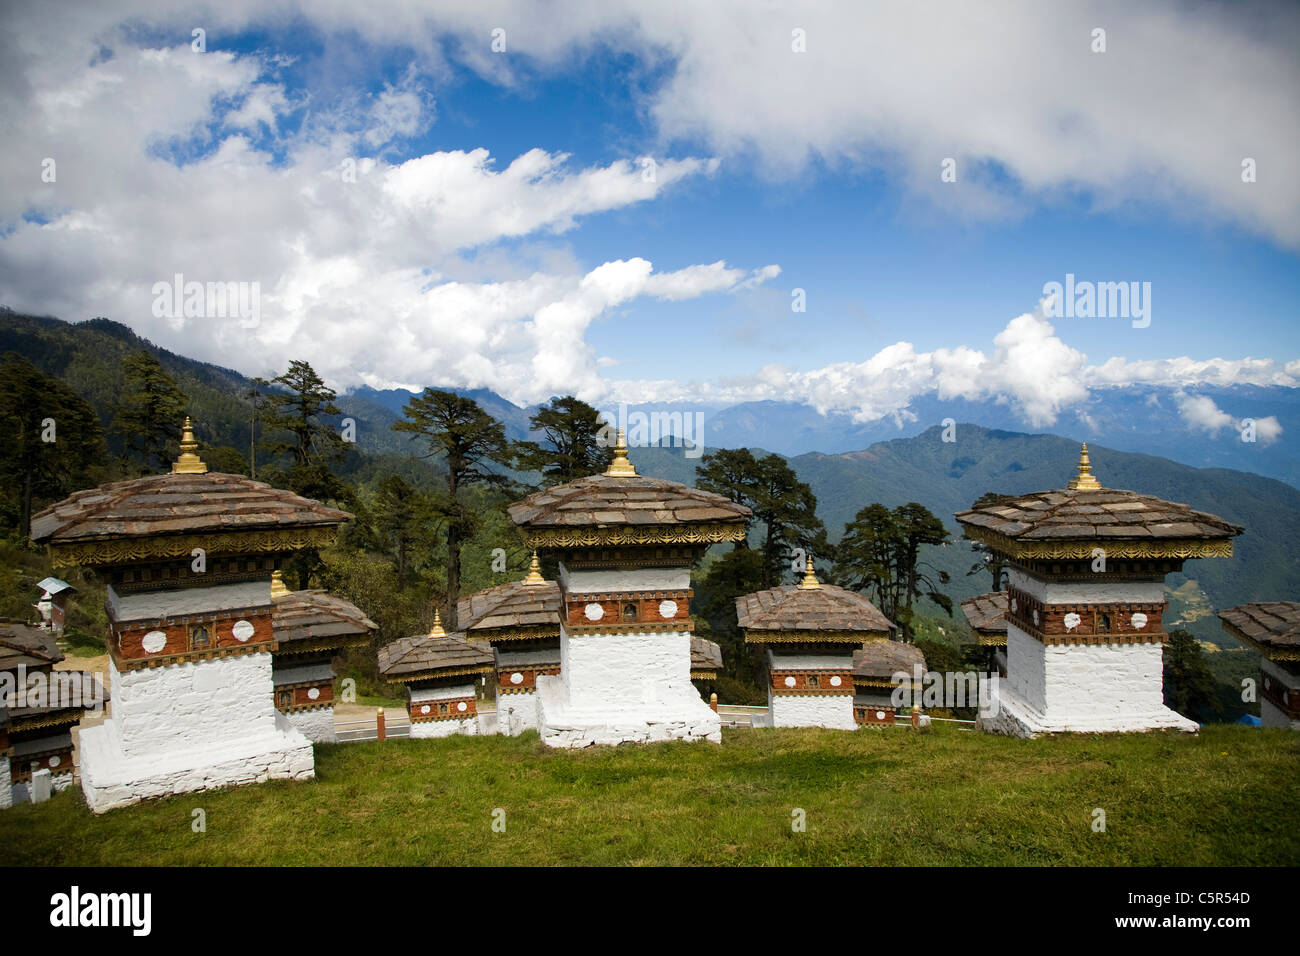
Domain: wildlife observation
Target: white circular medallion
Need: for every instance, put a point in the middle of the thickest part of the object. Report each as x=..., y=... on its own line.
x=835, y=680
x=594, y=611
x=313, y=693
x=154, y=641
x=880, y=715
x=667, y=609
x=1013, y=604
x=789, y=682
x=1139, y=620
x=242, y=630
x=1035, y=615
x=424, y=709
x=516, y=678
x=55, y=760
x=1072, y=621
x=461, y=706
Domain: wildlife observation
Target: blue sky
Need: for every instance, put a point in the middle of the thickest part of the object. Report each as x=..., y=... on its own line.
x=815, y=169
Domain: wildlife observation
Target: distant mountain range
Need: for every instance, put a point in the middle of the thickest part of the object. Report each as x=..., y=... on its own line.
x=945, y=476
x=1143, y=419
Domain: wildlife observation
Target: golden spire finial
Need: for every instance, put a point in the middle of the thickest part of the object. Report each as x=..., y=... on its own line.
x=534, y=572
x=188, y=463
x=278, y=588
x=620, y=467
x=809, y=582
x=437, y=630
x=1084, y=480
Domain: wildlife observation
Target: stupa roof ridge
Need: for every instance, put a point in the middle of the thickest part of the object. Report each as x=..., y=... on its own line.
x=795, y=608
x=1069, y=522
x=1272, y=626
x=511, y=605
x=421, y=653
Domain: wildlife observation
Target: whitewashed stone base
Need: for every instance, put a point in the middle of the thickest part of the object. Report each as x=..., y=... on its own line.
x=834, y=712
x=444, y=728
x=516, y=713
x=1272, y=716
x=316, y=725
x=1080, y=688
x=6, y=791
x=1011, y=716
x=110, y=778
x=563, y=725
x=22, y=792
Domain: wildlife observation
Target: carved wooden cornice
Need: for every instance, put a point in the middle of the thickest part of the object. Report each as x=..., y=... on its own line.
x=1083, y=548
x=289, y=648
x=431, y=675
x=61, y=718
x=530, y=632
x=814, y=637
x=712, y=532
x=126, y=550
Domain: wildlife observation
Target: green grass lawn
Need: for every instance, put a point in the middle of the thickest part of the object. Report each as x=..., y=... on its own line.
x=944, y=796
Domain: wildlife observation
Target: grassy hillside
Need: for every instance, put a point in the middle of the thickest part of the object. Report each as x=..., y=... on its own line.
x=89, y=355
x=1229, y=796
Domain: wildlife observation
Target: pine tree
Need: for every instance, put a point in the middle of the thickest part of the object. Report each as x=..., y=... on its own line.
x=298, y=410
x=573, y=447
x=469, y=440
x=50, y=440
x=148, y=417
x=313, y=443
x=880, y=553
x=770, y=488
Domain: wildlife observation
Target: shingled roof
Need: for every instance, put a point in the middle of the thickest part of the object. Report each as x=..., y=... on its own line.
x=509, y=606
x=603, y=500
x=1070, y=522
x=706, y=657
x=317, y=617
x=1272, y=626
x=824, y=610
x=429, y=655
x=880, y=660
x=28, y=646
x=987, y=613
x=177, y=504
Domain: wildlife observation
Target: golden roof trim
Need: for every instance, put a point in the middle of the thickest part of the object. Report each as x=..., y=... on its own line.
x=1082, y=548
x=122, y=550
x=64, y=715
x=436, y=673
x=763, y=636
x=315, y=645
x=704, y=532
x=526, y=632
